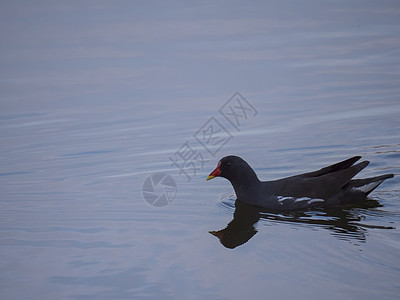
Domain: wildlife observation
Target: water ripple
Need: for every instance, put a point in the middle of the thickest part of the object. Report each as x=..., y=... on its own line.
x=61, y=244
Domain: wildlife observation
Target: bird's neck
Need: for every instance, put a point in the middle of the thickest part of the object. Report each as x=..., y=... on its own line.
x=247, y=187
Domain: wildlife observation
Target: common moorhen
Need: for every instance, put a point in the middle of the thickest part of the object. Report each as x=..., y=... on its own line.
x=329, y=186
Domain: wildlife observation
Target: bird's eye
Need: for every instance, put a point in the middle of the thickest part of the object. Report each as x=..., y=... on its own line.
x=228, y=164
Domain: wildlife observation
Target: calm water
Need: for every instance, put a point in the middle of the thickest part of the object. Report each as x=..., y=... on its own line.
x=90, y=108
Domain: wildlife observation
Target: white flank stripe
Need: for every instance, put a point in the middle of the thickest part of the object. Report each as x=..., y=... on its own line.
x=281, y=199
x=302, y=199
x=316, y=200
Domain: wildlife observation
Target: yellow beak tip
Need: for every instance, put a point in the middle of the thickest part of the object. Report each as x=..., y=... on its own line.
x=210, y=177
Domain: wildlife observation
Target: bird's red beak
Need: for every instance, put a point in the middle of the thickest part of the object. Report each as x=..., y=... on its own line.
x=215, y=173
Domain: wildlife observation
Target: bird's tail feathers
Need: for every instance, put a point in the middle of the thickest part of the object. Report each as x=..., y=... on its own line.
x=366, y=185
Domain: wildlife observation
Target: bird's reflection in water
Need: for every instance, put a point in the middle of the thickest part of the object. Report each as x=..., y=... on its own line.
x=241, y=228
x=343, y=222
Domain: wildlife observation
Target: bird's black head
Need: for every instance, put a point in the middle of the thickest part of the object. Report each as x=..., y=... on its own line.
x=233, y=168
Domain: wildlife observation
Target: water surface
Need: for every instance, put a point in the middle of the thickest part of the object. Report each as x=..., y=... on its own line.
x=96, y=98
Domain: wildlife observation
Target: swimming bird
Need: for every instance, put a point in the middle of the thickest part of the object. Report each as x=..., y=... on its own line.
x=329, y=186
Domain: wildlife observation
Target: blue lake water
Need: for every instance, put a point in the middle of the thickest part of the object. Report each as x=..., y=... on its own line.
x=97, y=98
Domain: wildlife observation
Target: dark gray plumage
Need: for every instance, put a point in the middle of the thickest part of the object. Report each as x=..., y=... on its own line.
x=329, y=186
